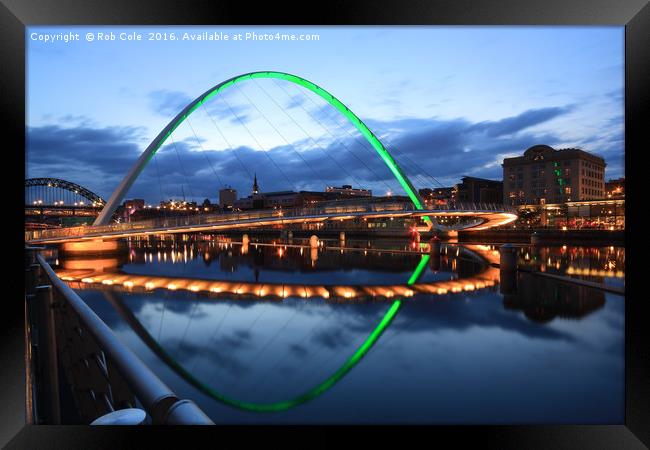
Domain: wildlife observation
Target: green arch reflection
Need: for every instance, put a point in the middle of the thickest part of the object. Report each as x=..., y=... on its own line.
x=312, y=393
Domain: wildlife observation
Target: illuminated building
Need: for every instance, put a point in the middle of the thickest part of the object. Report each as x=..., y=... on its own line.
x=348, y=191
x=615, y=188
x=479, y=190
x=227, y=197
x=439, y=196
x=545, y=175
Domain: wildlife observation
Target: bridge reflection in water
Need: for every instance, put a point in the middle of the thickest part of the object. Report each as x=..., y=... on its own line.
x=97, y=278
x=458, y=270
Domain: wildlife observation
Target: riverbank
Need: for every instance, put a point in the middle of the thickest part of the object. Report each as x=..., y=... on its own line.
x=545, y=236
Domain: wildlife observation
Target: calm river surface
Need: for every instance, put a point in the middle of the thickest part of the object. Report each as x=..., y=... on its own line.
x=275, y=334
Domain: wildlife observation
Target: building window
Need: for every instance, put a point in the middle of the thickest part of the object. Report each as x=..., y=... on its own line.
x=567, y=190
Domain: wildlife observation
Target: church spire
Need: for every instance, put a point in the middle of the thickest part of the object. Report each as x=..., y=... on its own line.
x=256, y=188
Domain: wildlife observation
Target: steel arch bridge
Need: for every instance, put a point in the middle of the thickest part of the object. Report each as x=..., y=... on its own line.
x=489, y=216
x=67, y=186
x=117, y=196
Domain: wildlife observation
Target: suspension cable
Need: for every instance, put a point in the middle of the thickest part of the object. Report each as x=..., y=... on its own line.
x=413, y=162
x=258, y=143
x=316, y=143
x=338, y=140
x=281, y=135
x=363, y=143
x=204, y=151
x=387, y=143
x=227, y=142
x=162, y=194
x=171, y=136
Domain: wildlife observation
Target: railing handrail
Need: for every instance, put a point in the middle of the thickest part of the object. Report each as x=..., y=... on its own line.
x=152, y=392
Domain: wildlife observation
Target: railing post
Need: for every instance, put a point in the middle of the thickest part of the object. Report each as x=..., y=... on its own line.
x=48, y=368
x=33, y=278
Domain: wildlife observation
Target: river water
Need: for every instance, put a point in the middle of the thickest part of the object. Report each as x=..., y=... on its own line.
x=369, y=331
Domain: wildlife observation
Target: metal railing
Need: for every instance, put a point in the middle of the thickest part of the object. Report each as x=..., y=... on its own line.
x=257, y=215
x=104, y=375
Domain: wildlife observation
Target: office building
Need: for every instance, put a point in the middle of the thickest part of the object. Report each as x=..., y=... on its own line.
x=545, y=175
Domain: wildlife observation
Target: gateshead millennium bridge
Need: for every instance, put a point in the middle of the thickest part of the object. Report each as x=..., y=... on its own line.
x=487, y=216
x=119, y=376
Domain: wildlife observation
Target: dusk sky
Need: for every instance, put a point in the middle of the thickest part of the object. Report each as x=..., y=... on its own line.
x=447, y=102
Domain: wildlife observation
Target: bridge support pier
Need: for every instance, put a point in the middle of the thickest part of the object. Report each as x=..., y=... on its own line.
x=508, y=269
x=434, y=245
x=90, y=247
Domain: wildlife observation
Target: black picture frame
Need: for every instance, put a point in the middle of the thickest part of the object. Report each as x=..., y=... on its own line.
x=15, y=15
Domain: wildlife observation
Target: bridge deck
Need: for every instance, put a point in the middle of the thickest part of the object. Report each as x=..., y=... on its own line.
x=487, y=217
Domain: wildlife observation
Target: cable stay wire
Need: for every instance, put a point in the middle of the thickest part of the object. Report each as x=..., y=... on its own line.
x=223, y=136
x=160, y=186
x=171, y=136
x=306, y=338
x=261, y=351
x=304, y=376
x=203, y=150
x=265, y=307
x=355, y=137
x=314, y=141
x=337, y=140
x=394, y=151
x=282, y=136
x=208, y=342
x=187, y=327
x=401, y=153
x=363, y=142
x=162, y=318
x=256, y=358
x=258, y=143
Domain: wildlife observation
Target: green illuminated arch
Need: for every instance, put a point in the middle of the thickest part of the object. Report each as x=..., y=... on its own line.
x=117, y=196
x=302, y=398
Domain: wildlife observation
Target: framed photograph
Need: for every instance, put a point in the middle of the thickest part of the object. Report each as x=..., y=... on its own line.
x=403, y=222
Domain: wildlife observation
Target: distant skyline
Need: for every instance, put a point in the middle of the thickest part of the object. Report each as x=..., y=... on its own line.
x=448, y=101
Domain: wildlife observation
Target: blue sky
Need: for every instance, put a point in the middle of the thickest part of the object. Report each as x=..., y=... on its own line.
x=448, y=101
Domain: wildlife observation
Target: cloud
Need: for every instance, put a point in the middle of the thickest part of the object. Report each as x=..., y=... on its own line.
x=426, y=148
x=168, y=103
x=96, y=158
x=522, y=121
x=220, y=111
x=294, y=102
